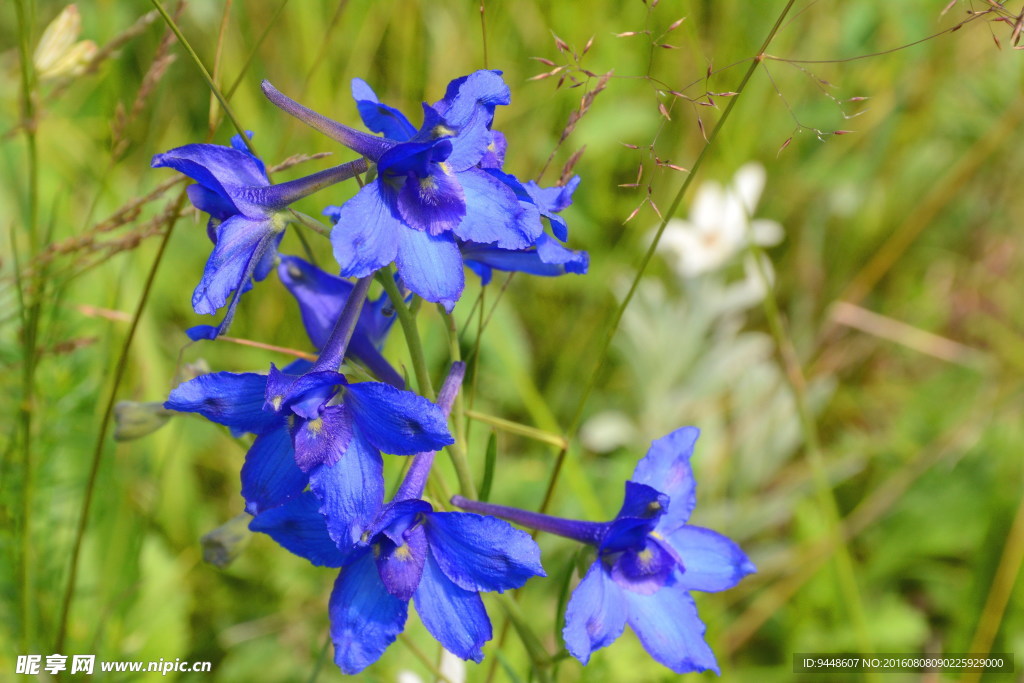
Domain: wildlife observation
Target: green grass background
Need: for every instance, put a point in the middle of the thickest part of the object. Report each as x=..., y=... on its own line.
x=914, y=216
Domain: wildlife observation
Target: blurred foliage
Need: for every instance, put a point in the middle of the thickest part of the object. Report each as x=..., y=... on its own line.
x=911, y=217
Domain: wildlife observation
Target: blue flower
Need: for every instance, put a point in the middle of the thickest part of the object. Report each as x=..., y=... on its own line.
x=430, y=190
x=544, y=256
x=405, y=551
x=648, y=561
x=247, y=218
x=306, y=422
x=322, y=296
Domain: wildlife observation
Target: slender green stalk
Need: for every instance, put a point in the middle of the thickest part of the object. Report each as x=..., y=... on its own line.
x=255, y=49
x=407, y=319
x=483, y=30
x=108, y=411
x=538, y=655
x=823, y=489
x=999, y=594
x=33, y=298
x=673, y=207
x=320, y=659
x=426, y=661
x=517, y=428
x=206, y=74
x=457, y=450
x=311, y=223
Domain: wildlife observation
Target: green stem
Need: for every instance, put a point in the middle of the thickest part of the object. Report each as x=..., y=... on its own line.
x=457, y=450
x=538, y=655
x=517, y=428
x=423, y=658
x=673, y=207
x=101, y=438
x=31, y=317
x=407, y=319
x=321, y=658
x=310, y=222
x=206, y=74
x=823, y=489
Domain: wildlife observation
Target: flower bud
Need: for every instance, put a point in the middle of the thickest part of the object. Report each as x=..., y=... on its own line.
x=57, y=53
x=133, y=420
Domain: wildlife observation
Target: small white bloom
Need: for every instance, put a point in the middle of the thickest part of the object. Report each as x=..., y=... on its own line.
x=451, y=667
x=606, y=431
x=721, y=224
x=57, y=53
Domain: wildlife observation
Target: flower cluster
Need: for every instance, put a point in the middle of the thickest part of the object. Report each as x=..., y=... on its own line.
x=436, y=198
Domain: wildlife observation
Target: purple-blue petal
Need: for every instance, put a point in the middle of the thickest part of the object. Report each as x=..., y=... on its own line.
x=431, y=266
x=378, y=117
x=401, y=565
x=495, y=156
x=549, y=259
x=552, y=199
x=641, y=500
x=433, y=203
x=212, y=202
x=322, y=440
x=365, y=618
x=482, y=88
x=481, y=553
x=469, y=142
x=366, y=236
x=351, y=492
x=554, y=254
x=396, y=421
x=298, y=527
x=666, y=467
x=241, y=243
x=711, y=561
x=214, y=166
x=494, y=215
x=270, y=476
x=595, y=615
x=644, y=570
x=454, y=616
x=321, y=296
x=227, y=398
x=396, y=517
x=669, y=629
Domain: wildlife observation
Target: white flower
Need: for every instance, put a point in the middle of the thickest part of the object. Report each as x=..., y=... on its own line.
x=451, y=667
x=721, y=224
x=57, y=53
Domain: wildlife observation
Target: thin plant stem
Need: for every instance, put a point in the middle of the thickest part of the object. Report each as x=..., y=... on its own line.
x=457, y=450
x=426, y=661
x=483, y=30
x=673, y=207
x=407, y=319
x=517, y=428
x=309, y=222
x=97, y=454
x=823, y=489
x=25, y=11
x=319, y=663
x=206, y=74
x=999, y=594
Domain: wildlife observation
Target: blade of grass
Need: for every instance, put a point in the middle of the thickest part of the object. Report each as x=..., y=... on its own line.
x=206, y=74
x=25, y=11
